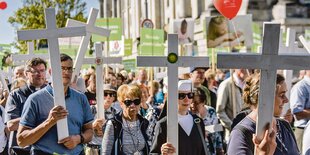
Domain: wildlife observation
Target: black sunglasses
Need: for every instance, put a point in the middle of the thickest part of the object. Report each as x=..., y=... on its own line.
x=129, y=102
x=110, y=94
x=183, y=95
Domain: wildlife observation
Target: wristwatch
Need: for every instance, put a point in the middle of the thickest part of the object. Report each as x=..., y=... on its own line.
x=82, y=139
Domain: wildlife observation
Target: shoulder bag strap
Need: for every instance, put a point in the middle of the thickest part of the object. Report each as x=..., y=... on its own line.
x=197, y=121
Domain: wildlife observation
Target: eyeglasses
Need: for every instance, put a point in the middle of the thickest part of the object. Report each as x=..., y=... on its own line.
x=183, y=95
x=37, y=71
x=110, y=94
x=129, y=102
x=68, y=69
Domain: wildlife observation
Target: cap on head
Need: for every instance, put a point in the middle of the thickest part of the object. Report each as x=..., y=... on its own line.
x=192, y=69
x=185, y=85
x=109, y=87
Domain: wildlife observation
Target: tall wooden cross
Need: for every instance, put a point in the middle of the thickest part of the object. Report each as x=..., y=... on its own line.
x=99, y=61
x=90, y=29
x=19, y=59
x=268, y=62
x=3, y=82
x=292, y=47
x=9, y=74
x=52, y=33
x=172, y=62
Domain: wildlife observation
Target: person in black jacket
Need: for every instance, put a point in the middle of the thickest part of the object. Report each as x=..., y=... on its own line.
x=126, y=132
x=191, y=138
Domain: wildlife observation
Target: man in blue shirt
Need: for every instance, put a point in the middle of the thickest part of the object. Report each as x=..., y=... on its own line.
x=35, y=70
x=39, y=117
x=300, y=106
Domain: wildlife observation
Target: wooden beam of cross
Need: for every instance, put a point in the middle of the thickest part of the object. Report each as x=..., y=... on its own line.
x=162, y=75
x=52, y=33
x=172, y=62
x=292, y=47
x=304, y=43
x=268, y=62
x=3, y=82
x=99, y=61
x=20, y=59
x=90, y=29
x=9, y=74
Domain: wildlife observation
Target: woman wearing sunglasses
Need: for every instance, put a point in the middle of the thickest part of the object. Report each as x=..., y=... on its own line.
x=93, y=147
x=191, y=127
x=125, y=133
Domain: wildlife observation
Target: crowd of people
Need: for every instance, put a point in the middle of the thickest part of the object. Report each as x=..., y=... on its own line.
x=135, y=113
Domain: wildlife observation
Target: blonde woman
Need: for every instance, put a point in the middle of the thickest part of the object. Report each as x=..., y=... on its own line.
x=126, y=132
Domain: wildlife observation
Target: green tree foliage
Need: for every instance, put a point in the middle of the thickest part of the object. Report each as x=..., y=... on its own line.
x=31, y=16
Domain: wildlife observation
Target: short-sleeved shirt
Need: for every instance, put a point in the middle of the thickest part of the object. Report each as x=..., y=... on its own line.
x=15, y=105
x=299, y=99
x=36, y=111
x=239, y=142
x=16, y=100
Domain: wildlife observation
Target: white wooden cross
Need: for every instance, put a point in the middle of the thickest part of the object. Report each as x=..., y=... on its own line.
x=90, y=29
x=289, y=46
x=9, y=74
x=52, y=33
x=181, y=71
x=172, y=70
x=268, y=61
x=3, y=82
x=19, y=59
x=99, y=61
x=292, y=47
x=304, y=43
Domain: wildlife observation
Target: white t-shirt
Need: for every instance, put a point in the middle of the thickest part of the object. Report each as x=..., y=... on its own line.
x=186, y=122
x=306, y=140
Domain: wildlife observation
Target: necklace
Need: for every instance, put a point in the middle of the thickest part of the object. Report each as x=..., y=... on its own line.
x=279, y=139
x=130, y=130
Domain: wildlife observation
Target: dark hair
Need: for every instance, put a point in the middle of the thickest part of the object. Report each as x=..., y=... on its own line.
x=119, y=75
x=35, y=62
x=183, y=22
x=200, y=94
x=251, y=88
x=65, y=57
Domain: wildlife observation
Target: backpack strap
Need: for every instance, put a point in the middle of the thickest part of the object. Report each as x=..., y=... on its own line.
x=240, y=116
